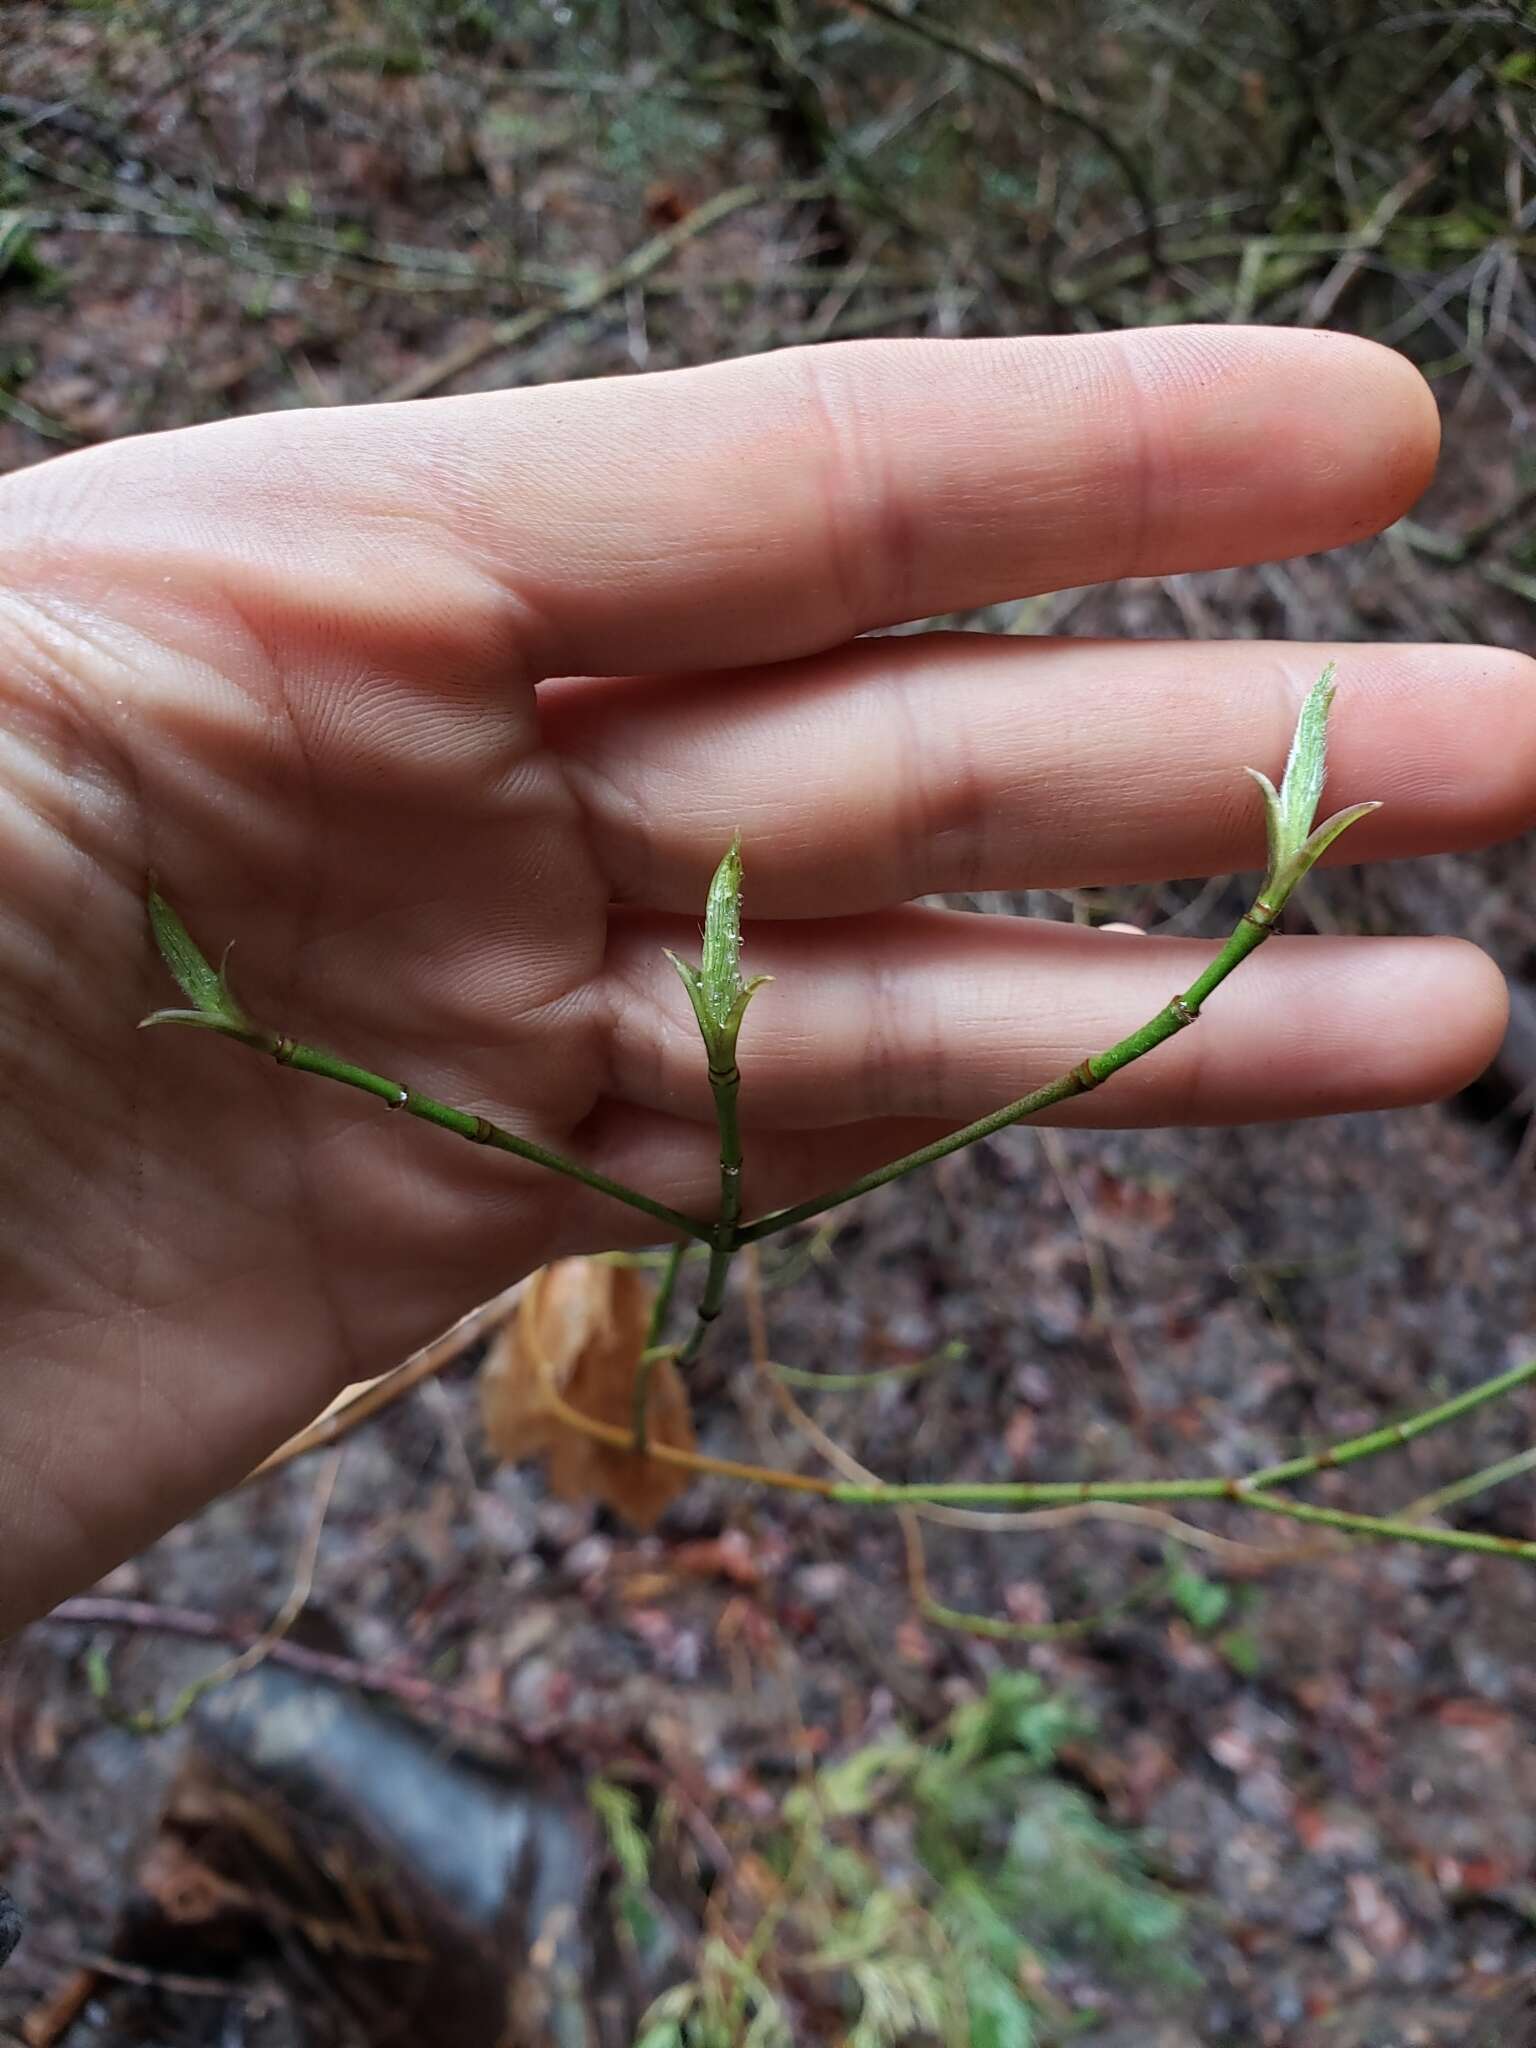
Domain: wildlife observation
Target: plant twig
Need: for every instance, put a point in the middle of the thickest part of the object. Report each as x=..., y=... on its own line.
x=1482, y=1481
x=1458, y=548
x=35, y=422
x=661, y=1307
x=405, y=1688
x=719, y=998
x=1013, y=72
x=1295, y=846
x=1254, y=1489
x=637, y=265
x=214, y=1008
x=1320, y=306
x=259, y=2001
x=1251, y=932
x=655, y=1350
x=479, y=1130
x=877, y=1376
x=671, y=1454
x=1392, y=1529
x=966, y=1621
x=986, y=1522
x=147, y=1722
x=725, y=1086
x=1393, y=1435
x=1068, y=1492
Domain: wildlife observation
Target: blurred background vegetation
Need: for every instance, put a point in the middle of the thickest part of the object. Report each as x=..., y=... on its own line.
x=356, y=195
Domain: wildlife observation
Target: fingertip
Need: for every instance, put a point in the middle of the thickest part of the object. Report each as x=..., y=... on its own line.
x=1453, y=1005
x=1486, y=1018
x=1404, y=416
x=1444, y=735
x=1306, y=439
x=1346, y=1024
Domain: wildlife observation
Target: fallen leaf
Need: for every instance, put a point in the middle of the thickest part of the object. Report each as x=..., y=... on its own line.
x=575, y=1343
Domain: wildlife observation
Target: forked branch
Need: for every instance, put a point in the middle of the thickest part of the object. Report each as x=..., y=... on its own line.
x=719, y=997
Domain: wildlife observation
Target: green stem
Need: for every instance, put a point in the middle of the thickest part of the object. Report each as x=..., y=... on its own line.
x=881, y=1375
x=1033, y=1493
x=655, y=1351
x=479, y=1130
x=1243, y=1490
x=1393, y=1434
x=640, y=1400
x=1251, y=932
x=1392, y=1531
x=661, y=1308
x=1482, y=1481
x=1065, y=1493
x=654, y=1348
x=964, y=1622
x=725, y=1085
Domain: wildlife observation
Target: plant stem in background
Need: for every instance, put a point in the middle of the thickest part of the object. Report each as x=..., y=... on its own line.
x=655, y=1350
x=661, y=1307
x=1393, y=1435
x=1035, y=86
x=1251, y=1491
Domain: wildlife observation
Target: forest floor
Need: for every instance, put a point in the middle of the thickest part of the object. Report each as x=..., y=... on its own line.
x=1329, y=1751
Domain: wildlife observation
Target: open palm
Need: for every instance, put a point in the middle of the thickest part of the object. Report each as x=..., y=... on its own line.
x=444, y=713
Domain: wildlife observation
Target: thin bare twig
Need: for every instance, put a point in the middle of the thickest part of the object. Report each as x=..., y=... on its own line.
x=146, y=1722
x=1482, y=1481
x=1321, y=305
x=405, y=1688
x=1045, y=95
x=1458, y=548
x=638, y=264
x=981, y=1520
x=256, y=2000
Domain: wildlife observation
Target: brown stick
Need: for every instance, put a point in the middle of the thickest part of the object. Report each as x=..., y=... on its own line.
x=638, y=264
x=98, y=1611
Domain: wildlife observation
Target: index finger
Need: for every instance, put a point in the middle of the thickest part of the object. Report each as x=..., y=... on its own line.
x=777, y=505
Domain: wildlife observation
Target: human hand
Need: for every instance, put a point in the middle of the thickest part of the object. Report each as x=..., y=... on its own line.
x=296, y=666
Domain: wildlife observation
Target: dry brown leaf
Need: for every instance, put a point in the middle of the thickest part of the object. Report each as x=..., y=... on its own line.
x=578, y=1335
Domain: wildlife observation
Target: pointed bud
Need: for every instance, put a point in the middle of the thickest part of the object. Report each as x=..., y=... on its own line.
x=1295, y=846
x=205, y=987
x=721, y=965
x=715, y=988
